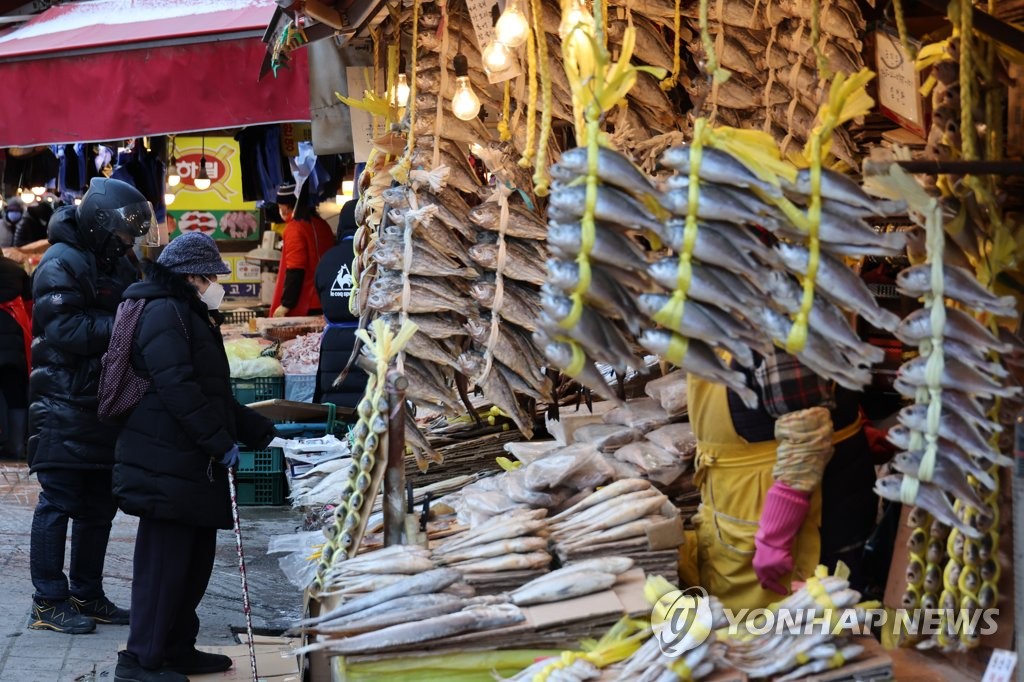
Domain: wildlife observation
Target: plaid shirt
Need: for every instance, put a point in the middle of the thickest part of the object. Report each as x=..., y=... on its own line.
x=783, y=385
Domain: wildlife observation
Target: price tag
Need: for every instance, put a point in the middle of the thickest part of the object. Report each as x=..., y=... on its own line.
x=1000, y=666
x=898, y=83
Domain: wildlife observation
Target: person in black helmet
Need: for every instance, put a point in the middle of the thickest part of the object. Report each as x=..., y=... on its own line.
x=77, y=287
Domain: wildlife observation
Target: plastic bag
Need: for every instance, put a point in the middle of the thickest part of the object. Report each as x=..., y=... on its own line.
x=606, y=437
x=656, y=464
x=675, y=438
x=528, y=452
x=622, y=469
x=574, y=466
x=670, y=391
x=518, y=490
x=642, y=414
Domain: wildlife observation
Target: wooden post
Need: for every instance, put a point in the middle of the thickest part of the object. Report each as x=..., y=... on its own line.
x=394, y=475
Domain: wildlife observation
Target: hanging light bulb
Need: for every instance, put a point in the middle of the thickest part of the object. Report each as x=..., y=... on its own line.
x=39, y=190
x=26, y=195
x=497, y=57
x=401, y=97
x=169, y=198
x=465, y=103
x=172, y=173
x=512, y=27
x=78, y=200
x=202, y=180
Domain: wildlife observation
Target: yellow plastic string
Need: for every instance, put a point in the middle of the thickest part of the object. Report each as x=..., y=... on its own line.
x=578, y=362
x=669, y=82
x=671, y=315
x=526, y=160
x=821, y=61
x=901, y=28
x=504, y=134
x=802, y=658
x=712, y=67
x=837, y=660
x=968, y=150
x=541, y=179
x=797, y=338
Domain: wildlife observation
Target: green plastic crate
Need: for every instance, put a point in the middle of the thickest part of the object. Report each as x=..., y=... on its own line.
x=260, y=490
x=266, y=461
x=257, y=388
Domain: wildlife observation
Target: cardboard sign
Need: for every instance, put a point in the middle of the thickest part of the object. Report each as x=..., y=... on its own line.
x=899, y=82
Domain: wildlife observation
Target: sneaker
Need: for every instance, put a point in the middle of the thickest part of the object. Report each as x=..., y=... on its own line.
x=101, y=610
x=59, y=616
x=198, y=662
x=130, y=670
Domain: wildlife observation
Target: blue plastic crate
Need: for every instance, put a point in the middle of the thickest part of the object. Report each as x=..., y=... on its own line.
x=266, y=461
x=260, y=490
x=257, y=388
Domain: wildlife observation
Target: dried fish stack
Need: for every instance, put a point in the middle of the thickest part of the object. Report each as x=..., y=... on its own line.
x=810, y=647
x=501, y=553
x=951, y=459
x=777, y=73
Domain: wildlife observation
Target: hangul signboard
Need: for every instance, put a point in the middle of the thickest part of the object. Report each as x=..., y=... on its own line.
x=218, y=211
x=244, y=280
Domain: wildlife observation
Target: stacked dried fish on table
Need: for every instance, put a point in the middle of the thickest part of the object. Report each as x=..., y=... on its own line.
x=616, y=520
x=776, y=71
x=501, y=553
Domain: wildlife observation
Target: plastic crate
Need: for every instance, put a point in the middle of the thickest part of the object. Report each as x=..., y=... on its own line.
x=257, y=388
x=266, y=461
x=256, y=490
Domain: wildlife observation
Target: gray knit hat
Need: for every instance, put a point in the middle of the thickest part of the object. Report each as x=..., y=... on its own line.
x=193, y=253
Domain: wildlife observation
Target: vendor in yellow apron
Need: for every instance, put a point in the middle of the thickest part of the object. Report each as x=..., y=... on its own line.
x=734, y=476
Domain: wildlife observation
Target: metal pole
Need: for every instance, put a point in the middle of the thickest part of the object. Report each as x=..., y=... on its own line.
x=1018, y=544
x=241, y=569
x=394, y=475
x=938, y=167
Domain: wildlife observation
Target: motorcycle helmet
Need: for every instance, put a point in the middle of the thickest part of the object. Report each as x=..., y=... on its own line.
x=14, y=210
x=111, y=217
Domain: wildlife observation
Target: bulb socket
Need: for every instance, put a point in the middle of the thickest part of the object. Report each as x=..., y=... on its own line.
x=461, y=65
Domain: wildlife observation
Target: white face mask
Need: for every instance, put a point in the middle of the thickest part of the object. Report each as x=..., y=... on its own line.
x=213, y=296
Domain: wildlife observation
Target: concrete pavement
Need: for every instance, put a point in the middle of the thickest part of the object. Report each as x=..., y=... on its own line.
x=41, y=656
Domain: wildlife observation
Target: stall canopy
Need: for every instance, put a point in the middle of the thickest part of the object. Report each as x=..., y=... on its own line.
x=113, y=69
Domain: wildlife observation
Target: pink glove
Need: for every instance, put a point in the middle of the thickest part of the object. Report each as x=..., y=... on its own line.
x=783, y=515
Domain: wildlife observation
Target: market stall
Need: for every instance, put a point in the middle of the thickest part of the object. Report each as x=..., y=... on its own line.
x=661, y=196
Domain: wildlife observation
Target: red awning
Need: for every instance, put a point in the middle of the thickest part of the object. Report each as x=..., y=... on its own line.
x=113, y=69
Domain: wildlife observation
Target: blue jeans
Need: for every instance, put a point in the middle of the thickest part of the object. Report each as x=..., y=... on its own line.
x=85, y=497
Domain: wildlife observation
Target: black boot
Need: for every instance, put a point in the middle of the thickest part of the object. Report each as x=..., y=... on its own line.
x=199, y=662
x=59, y=616
x=101, y=610
x=129, y=670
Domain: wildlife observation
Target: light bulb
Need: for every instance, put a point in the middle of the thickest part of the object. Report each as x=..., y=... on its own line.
x=39, y=190
x=401, y=91
x=169, y=198
x=465, y=103
x=172, y=174
x=512, y=27
x=78, y=200
x=202, y=180
x=347, y=187
x=27, y=196
x=497, y=57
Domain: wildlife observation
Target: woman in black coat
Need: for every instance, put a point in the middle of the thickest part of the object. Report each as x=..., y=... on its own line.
x=172, y=459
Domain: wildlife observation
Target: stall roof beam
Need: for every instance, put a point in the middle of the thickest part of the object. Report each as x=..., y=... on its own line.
x=997, y=29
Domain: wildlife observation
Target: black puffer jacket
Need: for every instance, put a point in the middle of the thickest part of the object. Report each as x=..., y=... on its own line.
x=14, y=283
x=75, y=302
x=167, y=453
x=32, y=226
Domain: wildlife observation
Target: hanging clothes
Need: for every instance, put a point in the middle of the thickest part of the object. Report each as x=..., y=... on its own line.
x=261, y=162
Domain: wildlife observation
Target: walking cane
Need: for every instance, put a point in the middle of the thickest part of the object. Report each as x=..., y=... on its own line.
x=241, y=569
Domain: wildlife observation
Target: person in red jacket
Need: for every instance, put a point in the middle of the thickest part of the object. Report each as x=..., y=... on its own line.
x=306, y=240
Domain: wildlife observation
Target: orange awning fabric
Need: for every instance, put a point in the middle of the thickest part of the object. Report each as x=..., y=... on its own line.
x=113, y=69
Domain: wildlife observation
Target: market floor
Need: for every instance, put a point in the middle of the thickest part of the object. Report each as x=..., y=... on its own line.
x=40, y=656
